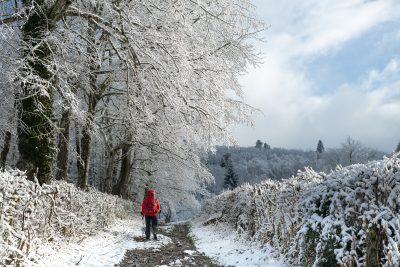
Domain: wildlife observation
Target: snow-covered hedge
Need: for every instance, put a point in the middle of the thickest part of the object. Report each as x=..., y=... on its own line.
x=350, y=217
x=264, y=212
x=353, y=217
x=32, y=214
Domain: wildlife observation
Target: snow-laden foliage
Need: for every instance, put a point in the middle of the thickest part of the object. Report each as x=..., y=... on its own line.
x=263, y=212
x=130, y=87
x=32, y=214
x=353, y=217
x=134, y=84
x=178, y=188
x=350, y=217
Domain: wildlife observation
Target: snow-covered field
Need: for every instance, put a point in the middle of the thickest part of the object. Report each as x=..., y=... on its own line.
x=104, y=249
x=221, y=243
x=107, y=248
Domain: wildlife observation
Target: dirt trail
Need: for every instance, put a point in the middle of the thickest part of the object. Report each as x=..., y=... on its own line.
x=181, y=252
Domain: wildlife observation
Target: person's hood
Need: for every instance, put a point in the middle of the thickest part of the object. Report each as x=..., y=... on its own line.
x=151, y=193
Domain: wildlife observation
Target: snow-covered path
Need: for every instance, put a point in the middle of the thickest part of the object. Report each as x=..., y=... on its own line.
x=107, y=248
x=220, y=243
x=102, y=250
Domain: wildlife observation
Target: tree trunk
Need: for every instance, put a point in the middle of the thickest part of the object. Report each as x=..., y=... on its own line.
x=35, y=130
x=86, y=144
x=108, y=180
x=77, y=146
x=63, y=145
x=6, y=148
x=86, y=141
x=121, y=188
x=36, y=138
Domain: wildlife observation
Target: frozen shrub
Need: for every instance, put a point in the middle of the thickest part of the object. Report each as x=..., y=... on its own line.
x=350, y=217
x=355, y=212
x=32, y=214
x=265, y=212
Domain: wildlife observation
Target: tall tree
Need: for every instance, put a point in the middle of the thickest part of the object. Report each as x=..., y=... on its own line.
x=351, y=148
x=63, y=145
x=125, y=170
x=231, y=178
x=93, y=96
x=6, y=149
x=225, y=158
x=36, y=134
x=259, y=144
x=398, y=148
x=320, y=147
x=170, y=66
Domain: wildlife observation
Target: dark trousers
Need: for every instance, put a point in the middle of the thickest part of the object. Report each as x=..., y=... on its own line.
x=151, y=221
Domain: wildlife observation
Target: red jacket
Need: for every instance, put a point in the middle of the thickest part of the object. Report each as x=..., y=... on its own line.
x=150, y=205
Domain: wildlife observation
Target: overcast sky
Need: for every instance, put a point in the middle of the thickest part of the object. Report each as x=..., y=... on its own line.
x=331, y=70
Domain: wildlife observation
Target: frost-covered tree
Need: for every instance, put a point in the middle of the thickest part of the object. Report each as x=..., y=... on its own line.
x=37, y=78
x=5, y=150
x=168, y=73
x=259, y=144
x=9, y=43
x=320, y=147
x=162, y=67
x=398, y=148
x=224, y=160
x=351, y=149
x=267, y=146
x=231, y=178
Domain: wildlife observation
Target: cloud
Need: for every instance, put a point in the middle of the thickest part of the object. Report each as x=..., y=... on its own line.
x=313, y=27
x=367, y=107
x=387, y=75
x=295, y=118
x=337, y=22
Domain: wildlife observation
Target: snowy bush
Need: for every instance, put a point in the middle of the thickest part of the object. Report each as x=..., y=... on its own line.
x=263, y=212
x=32, y=214
x=350, y=217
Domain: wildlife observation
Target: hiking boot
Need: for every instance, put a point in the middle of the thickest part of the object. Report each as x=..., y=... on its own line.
x=155, y=237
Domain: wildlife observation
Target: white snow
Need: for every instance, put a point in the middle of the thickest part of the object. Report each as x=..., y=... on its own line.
x=108, y=247
x=223, y=245
x=190, y=252
x=104, y=249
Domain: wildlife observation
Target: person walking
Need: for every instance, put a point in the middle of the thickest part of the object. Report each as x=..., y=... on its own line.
x=150, y=209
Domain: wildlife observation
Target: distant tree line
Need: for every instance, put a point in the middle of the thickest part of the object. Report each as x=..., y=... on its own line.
x=260, y=144
x=255, y=164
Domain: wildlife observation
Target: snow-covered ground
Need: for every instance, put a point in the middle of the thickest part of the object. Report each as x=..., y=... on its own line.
x=102, y=250
x=108, y=247
x=220, y=243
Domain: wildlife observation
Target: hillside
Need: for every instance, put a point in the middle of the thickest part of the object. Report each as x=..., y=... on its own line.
x=254, y=165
